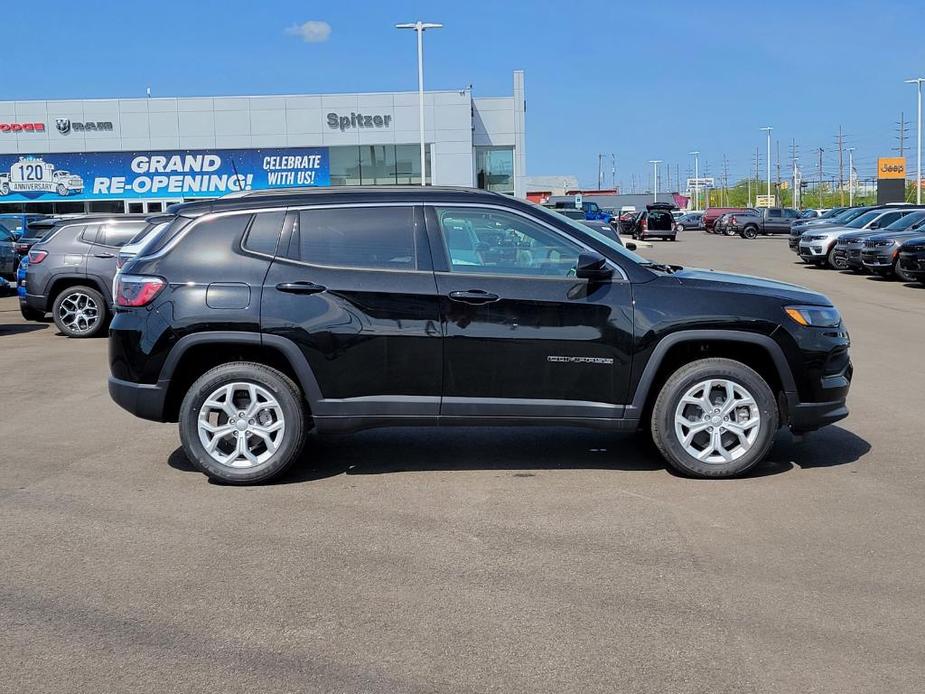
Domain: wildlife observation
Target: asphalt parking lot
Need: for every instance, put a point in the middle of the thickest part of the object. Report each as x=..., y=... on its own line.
x=468, y=560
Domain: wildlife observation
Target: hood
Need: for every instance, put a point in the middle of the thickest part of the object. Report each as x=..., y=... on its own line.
x=895, y=235
x=745, y=284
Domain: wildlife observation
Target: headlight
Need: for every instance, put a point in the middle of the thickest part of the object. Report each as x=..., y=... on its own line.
x=814, y=316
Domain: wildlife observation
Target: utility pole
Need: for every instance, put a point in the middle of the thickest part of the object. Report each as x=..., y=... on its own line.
x=851, y=177
x=840, y=143
x=757, y=174
x=902, y=127
x=918, y=138
x=696, y=156
x=600, y=172
x=724, y=198
x=613, y=171
x=821, y=150
x=793, y=170
x=768, y=129
x=655, y=163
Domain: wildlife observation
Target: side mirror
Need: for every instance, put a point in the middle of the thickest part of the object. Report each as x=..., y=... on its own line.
x=592, y=266
x=630, y=246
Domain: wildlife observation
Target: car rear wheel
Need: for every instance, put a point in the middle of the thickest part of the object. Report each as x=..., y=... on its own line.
x=80, y=312
x=714, y=418
x=730, y=232
x=749, y=233
x=242, y=423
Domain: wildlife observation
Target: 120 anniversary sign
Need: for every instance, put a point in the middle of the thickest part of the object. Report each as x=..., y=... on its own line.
x=161, y=174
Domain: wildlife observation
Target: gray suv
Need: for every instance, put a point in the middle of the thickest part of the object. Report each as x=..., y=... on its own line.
x=70, y=272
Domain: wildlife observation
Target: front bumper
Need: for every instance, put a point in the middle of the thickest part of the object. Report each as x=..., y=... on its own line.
x=913, y=263
x=141, y=399
x=877, y=260
x=814, y=251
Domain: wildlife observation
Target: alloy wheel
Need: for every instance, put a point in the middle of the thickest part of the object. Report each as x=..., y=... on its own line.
x=717, y=421
x=241, y=425
x=79, y=313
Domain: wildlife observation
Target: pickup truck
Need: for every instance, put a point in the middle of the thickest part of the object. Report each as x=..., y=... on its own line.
x=591, y=209
x=763, y=222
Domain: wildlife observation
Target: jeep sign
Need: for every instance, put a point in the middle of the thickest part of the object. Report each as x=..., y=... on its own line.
x=341, y=122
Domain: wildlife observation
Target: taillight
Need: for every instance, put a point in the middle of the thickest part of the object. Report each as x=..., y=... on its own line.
x=138, y=290
x=645, y=224
x=732, y=220
x=36, y=257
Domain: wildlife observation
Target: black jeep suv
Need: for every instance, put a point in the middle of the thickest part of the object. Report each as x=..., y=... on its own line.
x=252, y=319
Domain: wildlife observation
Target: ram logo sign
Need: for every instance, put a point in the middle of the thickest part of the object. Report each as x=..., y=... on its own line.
x=66, y=126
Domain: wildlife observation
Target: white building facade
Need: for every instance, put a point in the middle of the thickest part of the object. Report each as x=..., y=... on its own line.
x=138, y=155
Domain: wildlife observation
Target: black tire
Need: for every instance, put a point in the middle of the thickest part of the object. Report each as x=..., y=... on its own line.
x=31, y=314
x=666, y=438
x=834, y=262
x=280, y=386
x=749, y=233
x=102, y=312
x=901, y=274
x=729, y=232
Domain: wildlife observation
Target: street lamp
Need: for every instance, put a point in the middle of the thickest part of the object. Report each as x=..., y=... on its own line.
x=420, y=27
x=696, y=156
x=851, y=177
x=655, y=163
x=918, y=140
x=769, y=129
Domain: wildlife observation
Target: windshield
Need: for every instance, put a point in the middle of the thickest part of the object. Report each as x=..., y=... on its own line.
x=863, y=220
x=910, y=221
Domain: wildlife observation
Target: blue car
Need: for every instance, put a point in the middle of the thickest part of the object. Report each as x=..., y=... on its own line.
x=21, y=276
x=16, y=223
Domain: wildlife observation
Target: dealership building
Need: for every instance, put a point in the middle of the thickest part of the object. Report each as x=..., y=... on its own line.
x=138, y=155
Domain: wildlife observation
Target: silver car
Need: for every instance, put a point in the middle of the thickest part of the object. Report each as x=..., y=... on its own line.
x=70, y=272
x=817, y=246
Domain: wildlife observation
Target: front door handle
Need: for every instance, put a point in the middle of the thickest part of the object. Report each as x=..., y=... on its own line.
x=474, y=296
x=103, y=255
x=300, y=287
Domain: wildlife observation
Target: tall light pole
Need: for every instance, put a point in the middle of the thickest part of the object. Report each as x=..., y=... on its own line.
x=851, y=177
x=769, y=129
x=655, y=163
x=696, y=156
x=420, y=27
x=918, y=140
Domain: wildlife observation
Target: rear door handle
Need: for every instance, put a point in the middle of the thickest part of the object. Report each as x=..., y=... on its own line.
x=474, y=296
x=103, y=255
x=300, y=287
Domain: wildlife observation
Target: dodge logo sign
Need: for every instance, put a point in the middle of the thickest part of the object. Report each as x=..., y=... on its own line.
x=22, y=127
x=65, y=126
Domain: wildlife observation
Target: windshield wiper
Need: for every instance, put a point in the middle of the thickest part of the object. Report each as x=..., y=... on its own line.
x=662, y=268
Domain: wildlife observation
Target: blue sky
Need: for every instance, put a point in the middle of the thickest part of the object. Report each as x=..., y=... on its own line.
x=642, y=80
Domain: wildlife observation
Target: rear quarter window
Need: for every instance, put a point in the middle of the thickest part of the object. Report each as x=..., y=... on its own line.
x=161, y=237
x=264, y=231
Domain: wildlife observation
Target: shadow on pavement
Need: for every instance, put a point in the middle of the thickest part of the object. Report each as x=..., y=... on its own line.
x=828, y=447
x=520, y=450
x=17, y=328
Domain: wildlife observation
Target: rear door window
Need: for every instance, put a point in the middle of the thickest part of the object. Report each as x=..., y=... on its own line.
x=117, y=235
x=775, y=213
x=356, y=237
x=263, y=235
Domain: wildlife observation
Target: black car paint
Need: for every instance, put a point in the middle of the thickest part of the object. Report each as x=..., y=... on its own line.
x=374, y=347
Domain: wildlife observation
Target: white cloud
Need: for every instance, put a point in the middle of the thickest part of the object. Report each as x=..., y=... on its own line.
x=312, y=31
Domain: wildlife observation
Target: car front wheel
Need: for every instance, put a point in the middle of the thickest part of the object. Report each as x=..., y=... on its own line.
x=80, y=312
x=242, y=423
x=835, y=262
x=714, y=418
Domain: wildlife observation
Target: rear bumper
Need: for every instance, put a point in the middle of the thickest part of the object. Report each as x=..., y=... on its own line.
x=141, y=399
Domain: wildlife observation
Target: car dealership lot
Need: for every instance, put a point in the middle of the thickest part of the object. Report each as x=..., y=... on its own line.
x=468, y=560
